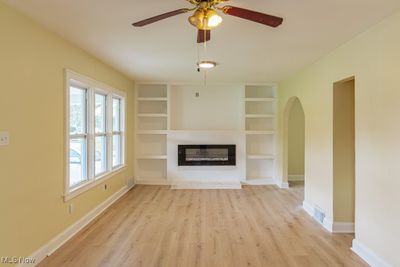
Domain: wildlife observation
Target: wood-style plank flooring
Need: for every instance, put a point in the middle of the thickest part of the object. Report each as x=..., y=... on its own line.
x=256, y=226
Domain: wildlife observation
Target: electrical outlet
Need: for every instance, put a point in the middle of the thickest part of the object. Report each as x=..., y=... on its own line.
x=71, y=208
x=4, y=138
x=105, y=187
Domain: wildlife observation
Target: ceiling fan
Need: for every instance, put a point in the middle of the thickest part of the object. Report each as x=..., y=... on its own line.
x=205, y=17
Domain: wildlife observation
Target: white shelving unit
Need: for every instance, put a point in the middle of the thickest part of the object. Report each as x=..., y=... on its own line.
x=152, y=120
x=260, y=127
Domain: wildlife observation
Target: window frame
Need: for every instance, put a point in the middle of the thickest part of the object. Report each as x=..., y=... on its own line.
x=120, y=133
x=85, y=135
x=92, y=88
x=104, y=134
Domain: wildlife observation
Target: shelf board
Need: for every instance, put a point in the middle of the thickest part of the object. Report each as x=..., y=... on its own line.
x=260, y=116
x=259, y=99
x=151, y=157
x=152, y=99
x=260, y=156
x=152, y=115
x=259, y=132
x=151, y=132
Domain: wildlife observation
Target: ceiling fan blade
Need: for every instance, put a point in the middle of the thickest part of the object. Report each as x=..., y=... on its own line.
x=203, y=36
x=255, y=16
x=160, y=17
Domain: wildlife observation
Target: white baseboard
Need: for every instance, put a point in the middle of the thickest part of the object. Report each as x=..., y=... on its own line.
x=283, y=185
x=207, y=186
x=72, y=230
x=296, y=177
x=368, y=255
x=153, y=182
x=261, y=181
x=308, y=208
x=327, y=223
x=343, y=227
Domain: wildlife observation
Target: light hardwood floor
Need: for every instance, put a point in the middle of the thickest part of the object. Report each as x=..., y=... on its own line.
x=255, y=226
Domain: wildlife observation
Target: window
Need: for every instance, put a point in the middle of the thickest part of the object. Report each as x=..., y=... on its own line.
x=77, y=136
x=100, y=132
x=95, y=131
x=117, y=133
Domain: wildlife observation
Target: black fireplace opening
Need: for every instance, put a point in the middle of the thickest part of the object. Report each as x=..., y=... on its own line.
x=206, y=155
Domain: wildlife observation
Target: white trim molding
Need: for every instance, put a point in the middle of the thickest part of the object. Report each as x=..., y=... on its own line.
x=90, y=88
x=72, y=230
x=368, y=255
x=281, y=184
x=265, y=181
x=327, y=223
x=343, y=227
x=295, y=177
x=332, y=227
x=234, y=185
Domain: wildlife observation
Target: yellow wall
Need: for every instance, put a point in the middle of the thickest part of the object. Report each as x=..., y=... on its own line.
x=343, y=152
x=32, y=62
x=374, y=59
x=296, y=139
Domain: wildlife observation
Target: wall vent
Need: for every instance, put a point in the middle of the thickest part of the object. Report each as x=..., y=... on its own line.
x=319, y=214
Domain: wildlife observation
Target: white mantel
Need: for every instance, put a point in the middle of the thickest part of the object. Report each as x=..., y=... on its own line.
x=206, y=176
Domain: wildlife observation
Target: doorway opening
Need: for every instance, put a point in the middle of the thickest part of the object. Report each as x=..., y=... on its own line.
x=344, y=153
x=296, y=143
x=294, y=146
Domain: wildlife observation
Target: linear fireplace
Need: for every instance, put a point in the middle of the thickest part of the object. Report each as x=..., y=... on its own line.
x=206, y=155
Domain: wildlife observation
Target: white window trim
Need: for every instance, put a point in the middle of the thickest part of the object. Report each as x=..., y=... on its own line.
x=93, y=86
x=121, y=131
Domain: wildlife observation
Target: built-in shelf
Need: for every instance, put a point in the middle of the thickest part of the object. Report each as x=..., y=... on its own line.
x=260, y=116
x=152, y=99
x=151, y=128
x=259, y=132
x=260, y=156
x=151, y=157
x=152, y=115
x=260, y=126
x=260, y=99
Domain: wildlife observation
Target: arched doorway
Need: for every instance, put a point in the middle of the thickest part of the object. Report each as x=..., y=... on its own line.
x=294, y=143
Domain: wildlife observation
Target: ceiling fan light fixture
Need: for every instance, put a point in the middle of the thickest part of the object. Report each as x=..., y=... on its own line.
x=213, y=19
x=205, y=19
x=206, y=64
x=197, y=19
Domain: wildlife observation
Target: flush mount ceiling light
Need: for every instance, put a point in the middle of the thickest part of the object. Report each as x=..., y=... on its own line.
x=207, y=64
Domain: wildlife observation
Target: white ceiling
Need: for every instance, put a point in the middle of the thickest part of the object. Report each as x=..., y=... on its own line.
x=246, y=51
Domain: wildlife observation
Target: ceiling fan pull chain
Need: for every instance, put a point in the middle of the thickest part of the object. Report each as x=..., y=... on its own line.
x=205, y=79
x=205, y=45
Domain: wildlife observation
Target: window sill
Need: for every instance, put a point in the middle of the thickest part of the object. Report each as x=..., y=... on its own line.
x=90, y=184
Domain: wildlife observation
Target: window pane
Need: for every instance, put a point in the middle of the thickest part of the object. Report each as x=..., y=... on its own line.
x=116, y=115
x=77, y=161
x=117, y=150
x=100, y=113
x=77, y=110
x=100, y=155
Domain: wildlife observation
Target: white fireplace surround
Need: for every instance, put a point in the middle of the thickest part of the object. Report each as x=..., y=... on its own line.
x=206, y=176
